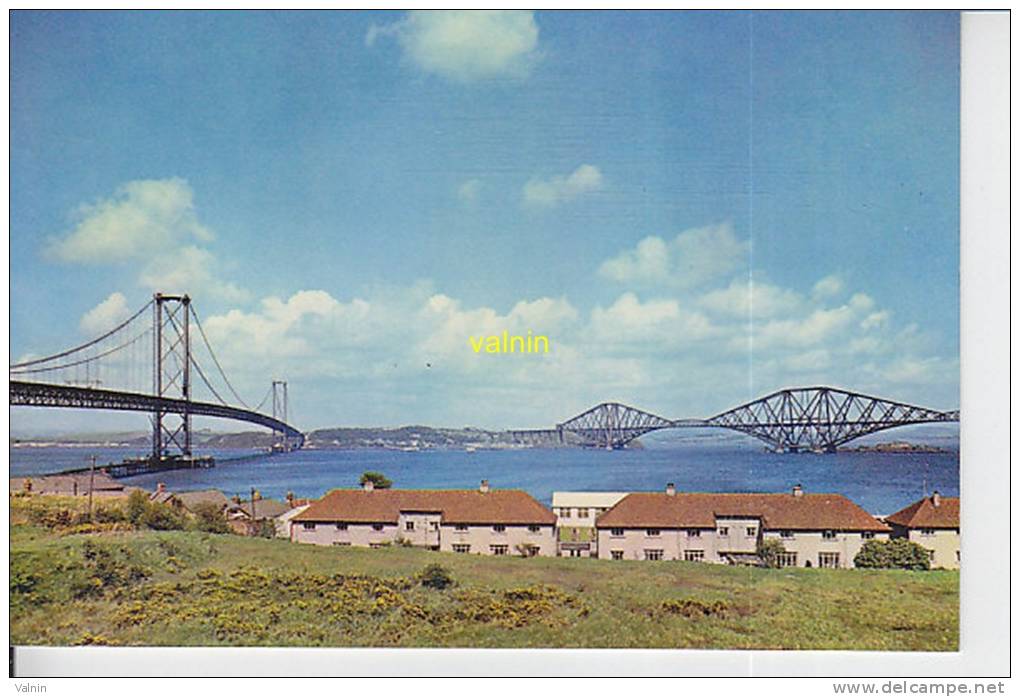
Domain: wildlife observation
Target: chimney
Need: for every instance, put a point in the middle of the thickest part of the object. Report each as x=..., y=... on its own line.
x=368, y=485
x=798, y=490
x=670, y=489
x=936, y=499
x=484, y=487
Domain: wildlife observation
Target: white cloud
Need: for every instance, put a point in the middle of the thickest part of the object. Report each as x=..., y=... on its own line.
x=466, y=45
x=153, y=226
x=142, y=218
x=693, y=258
x=560, y=189
x=828, y=287
x=649, y=328
x=106, y=315
x=191, y=270
x=469, y=190
x=741, y=299
x=875, y=319
x=820, y=325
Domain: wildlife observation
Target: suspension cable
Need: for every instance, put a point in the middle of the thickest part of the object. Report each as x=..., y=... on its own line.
x=263, y=402
x=206, y=381
x=218, y=366
x=81, y=361
x=68, y=352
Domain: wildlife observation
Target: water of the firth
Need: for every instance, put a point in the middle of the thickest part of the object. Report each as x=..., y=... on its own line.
x=880, y=482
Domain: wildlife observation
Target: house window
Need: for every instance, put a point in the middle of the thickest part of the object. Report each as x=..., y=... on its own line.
x=341, y=544
x=786, y=534
x=653, y=554
x=957, y=556
x=752, y=531
x=828, y=534
x=867, y=535
x=308, y=526
x=565, y=512
x=616, y=554
x=694, y=555
x=724, y=532
x=927, y=532
x=499, y=550
x=409, y=525
x=828, y=560
x=693, y=533
x=462, y=549
x=582, y=512
x=460, y=528
x=341, y=526
x=534, y=528
x=617, y=532
x=652, y=532
x=499, y=528
x=574, y=552
x=786, y=559
x=931, y=555
x=434, y=525
x=377, y=526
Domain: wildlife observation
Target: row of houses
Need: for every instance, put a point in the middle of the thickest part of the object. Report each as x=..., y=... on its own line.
x=815, y=530
x=820, y=530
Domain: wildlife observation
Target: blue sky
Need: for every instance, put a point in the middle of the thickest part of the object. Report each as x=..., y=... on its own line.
x=696, y=208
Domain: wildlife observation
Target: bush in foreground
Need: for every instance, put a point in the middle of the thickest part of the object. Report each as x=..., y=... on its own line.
x=892, y=554
x=436, y=576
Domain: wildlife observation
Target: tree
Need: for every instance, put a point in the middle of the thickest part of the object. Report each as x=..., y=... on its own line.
x=893, y=554
x=209, y=518
x=378, y=479
x=137, y=504
x=158, y=516
x=769, y=551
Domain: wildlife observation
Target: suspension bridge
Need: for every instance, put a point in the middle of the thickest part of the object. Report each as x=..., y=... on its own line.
x=803, y=419
x=148, y=363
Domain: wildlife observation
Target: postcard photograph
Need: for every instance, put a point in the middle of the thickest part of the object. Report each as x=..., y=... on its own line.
x=485, y=329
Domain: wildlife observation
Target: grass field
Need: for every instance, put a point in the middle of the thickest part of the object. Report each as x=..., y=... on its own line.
x=146, y=588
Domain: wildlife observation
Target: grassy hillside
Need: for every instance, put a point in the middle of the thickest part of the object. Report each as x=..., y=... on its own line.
x=191, y=588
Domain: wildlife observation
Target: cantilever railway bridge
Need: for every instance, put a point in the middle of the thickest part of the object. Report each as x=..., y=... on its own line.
x=803, y=419
x=149, y=367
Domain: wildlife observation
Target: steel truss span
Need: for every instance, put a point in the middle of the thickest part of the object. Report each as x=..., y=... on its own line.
x=33, y=394
x=804, y=419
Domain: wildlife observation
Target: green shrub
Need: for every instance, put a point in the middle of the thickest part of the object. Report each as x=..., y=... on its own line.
x=768, y=553
x=160, y=517
x=105, y=571
x=108, y=514
x=378, y=479
x=892, y=554
x=266, y=528
x=209, y=518
x=137, y=505
x=436, y=576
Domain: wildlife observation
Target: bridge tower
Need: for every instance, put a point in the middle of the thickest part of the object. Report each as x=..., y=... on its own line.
x=171, y=375
x=280, y=412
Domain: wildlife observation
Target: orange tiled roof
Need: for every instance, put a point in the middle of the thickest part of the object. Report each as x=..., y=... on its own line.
x=925, y=514
x=457, y=506
x=776, y=511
